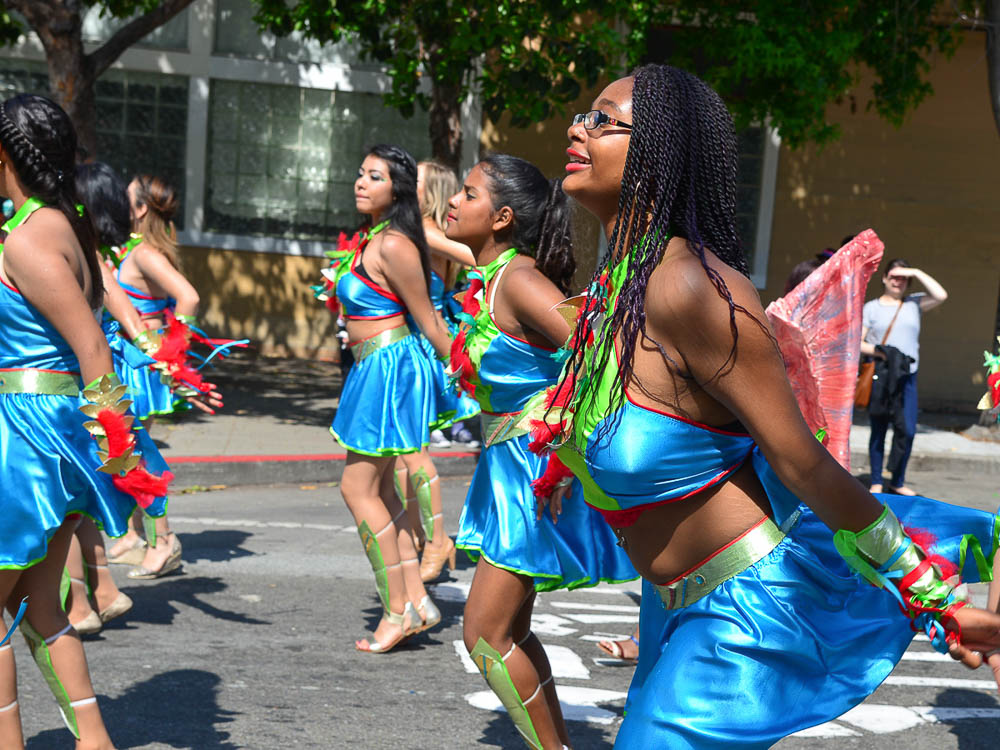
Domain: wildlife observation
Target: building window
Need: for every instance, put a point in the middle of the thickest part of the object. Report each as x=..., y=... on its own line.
x=142, y=124
x=282, y=159
x=98, y=27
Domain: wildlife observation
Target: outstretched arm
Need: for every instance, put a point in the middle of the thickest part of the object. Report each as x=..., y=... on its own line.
x=441, y=245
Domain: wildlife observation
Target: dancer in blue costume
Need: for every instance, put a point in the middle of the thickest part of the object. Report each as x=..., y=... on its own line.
x=416, y=477
x=52, y=344
x=676, y=415
x=517, y=224
x=385, y=402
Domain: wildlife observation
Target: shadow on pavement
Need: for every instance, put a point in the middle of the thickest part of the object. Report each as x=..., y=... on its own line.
x=500, y=732
x=215, y=545
x=155, y=603
x=972, y=734
x=176, y=709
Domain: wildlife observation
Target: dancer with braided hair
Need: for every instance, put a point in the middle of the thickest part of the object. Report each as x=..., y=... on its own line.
x=517, y=224
x=51, y=288
x=675, y=412
x=385, y=402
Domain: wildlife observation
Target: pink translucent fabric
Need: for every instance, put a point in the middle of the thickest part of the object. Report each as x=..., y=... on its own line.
x=818, y=327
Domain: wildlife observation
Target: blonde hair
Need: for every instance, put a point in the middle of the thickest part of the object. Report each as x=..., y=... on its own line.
x=440, y=183
x=157, y=225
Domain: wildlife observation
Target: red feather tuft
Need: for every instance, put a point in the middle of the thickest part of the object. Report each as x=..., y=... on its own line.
x=143, y=486
x=120, y=439
x=927, y=541
x=554, y=473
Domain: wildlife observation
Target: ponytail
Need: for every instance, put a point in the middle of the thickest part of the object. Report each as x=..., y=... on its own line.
x=157, y=224
x=40, y=142
x=541, y=226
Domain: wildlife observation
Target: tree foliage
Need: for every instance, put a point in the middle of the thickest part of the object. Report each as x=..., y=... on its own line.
x=769, y=59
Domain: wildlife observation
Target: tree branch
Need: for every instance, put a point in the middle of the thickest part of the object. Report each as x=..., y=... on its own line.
x=102, y=58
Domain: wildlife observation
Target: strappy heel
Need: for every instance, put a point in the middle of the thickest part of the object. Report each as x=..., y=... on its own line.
x=435, y=556
x=429, y=614
x=131, y=556
x=408, y=616
x=172, y=563
x=121, y=604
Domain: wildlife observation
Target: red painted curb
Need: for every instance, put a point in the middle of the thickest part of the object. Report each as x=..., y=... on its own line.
x=304, y=457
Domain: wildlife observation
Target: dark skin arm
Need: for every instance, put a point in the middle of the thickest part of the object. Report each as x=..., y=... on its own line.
x=684, y=309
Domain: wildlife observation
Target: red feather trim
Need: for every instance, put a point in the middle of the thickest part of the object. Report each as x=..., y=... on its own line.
x=172, y=355
x=143, y=486
x=927, y=541
x=554, y=473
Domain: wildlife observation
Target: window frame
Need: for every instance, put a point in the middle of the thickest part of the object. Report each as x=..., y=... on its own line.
x=765, y=208
x=201, y=65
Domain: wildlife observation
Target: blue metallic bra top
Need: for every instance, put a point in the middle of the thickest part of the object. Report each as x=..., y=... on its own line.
x=363, y=299
x=436, y=291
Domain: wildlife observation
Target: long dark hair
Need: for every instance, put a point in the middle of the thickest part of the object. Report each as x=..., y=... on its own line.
x=105, y=198
x=404, y=214
x=542, y=215
x=40, y=142
x=679, y=180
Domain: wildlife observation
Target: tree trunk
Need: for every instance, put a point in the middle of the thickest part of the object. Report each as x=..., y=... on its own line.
x=72, y=84
x=993, y=56
x=446, y=124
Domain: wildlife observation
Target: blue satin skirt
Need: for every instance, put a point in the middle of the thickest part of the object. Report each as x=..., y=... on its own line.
x=150, y=395
x=498, y=522
x=793, y=641
x=385, y=402
x=448, y=406
x=48, y=470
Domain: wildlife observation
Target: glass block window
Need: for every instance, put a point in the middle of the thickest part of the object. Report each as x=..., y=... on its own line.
x=282, y=159
x=23, y=77
x=142, y=125
x=237, y=34
x=748, y=186
x=171, y=35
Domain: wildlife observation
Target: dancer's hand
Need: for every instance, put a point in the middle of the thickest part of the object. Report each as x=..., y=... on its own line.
x=554, y=501
x=207, y=402
x=980, y=640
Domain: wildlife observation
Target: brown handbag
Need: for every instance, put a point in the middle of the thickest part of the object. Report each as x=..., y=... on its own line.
x=866, y=372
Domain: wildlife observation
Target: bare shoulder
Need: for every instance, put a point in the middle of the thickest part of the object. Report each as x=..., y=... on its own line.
x=682, y=292
x=48, y=234
x=396, y=246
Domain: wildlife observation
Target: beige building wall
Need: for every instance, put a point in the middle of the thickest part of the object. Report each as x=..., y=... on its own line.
x=931, y=190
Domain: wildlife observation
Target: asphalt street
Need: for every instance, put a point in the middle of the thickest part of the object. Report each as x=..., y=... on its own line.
x=251, y=646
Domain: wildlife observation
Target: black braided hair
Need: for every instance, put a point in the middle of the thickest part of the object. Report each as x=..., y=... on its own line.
x=104, y=195
x=40, y=143
x=404, y=214
x=542, y=215
x=679, y=180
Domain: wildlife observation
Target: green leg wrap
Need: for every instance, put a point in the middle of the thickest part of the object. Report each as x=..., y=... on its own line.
x=491, y=664
x=400, y=489
x=422, y=486
x=149, y=527
x=40, y=651
x=370, y=542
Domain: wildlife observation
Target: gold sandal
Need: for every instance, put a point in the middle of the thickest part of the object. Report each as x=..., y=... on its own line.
x=172, y=563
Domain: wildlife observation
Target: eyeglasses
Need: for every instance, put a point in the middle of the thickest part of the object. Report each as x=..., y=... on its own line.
x=595, y=118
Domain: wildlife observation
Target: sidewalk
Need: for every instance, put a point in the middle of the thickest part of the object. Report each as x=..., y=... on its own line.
x=275, y=429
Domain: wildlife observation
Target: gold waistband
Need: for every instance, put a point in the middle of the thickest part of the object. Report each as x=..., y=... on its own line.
x=731, y=560
x=367, y=347
x=44, y=382
x=497, y=428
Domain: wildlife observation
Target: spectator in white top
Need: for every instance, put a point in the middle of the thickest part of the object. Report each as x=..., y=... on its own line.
x=896, y=302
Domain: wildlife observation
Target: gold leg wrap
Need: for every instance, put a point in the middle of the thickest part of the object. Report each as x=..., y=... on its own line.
x=422, y=486
x=40, y=652
x=491, y=664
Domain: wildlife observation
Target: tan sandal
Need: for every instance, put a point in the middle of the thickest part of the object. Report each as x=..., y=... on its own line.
x=408, y=616
x=172, y=563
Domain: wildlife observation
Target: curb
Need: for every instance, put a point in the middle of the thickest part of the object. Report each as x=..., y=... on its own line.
x=954, y=462
x=203, y=471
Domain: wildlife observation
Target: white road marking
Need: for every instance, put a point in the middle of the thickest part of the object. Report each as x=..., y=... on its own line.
x=597, y=607
x=251, y=524
x=547, y=624
x=947, y=682
x=879, y=718
x=451, y=592
x=578, y=703
x=599, y=619
x=926, y=656
x=565, y=663
x=599, y=636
